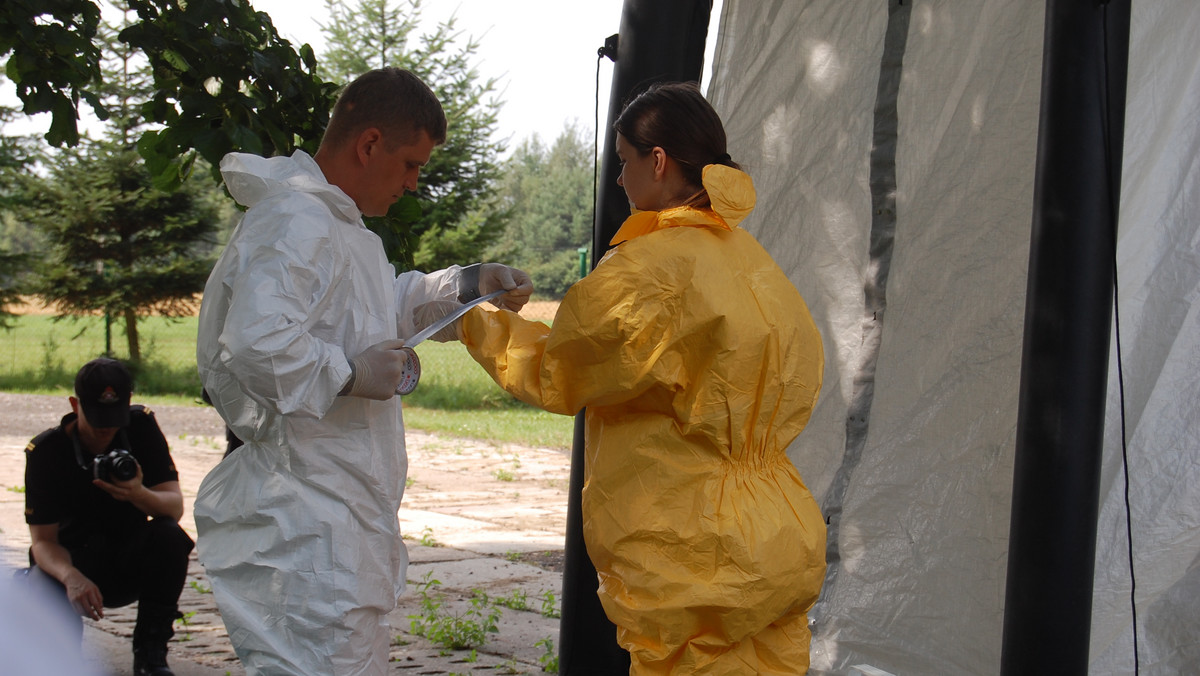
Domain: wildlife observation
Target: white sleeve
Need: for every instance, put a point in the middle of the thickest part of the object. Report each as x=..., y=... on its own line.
x=266, y=340
x=415, y=288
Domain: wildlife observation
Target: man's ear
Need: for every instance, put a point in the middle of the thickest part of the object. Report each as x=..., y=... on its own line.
x=370, y=141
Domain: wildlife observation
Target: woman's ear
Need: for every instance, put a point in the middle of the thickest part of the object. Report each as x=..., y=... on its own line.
x=660, y=162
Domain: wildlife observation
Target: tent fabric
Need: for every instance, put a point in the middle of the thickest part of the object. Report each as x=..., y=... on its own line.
x=910, y=449
x=1158, y=274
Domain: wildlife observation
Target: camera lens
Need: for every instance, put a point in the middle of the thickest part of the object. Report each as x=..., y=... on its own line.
x=124, y=467
x=117, y=465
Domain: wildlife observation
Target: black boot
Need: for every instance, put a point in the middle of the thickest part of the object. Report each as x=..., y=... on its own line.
x=151, y=661
x=154, y=628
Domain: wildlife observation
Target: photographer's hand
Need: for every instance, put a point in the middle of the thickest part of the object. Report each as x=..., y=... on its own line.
x=122, y=490
x=54, y=560
x=160, y=500
x=84, y=595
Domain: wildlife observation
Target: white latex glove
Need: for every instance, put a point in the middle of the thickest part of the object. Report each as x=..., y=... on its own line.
x=426, y=314
x=377, y=370
x=496, y=276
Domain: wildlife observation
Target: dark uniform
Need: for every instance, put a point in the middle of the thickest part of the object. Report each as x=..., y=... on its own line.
x=127, y=555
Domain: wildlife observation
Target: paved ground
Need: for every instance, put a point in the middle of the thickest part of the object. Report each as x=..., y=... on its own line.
x=477, y=517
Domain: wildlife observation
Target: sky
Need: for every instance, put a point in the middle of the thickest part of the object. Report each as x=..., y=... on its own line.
x=542, y=52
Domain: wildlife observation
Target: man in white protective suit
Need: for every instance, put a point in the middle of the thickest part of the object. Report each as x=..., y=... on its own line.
x=298, y=347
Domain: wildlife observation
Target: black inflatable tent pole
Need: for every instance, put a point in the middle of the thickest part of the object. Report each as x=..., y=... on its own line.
x=659, y=40
x=1068, y=316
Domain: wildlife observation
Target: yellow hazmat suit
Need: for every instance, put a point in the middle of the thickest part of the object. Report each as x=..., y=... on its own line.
x=698, y=363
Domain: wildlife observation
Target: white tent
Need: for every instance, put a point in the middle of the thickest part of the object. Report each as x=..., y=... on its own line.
x=911, y=450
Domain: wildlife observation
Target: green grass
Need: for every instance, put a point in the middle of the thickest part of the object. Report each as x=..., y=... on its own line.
x=40, y=355
x=529, y=427
x=455, y=396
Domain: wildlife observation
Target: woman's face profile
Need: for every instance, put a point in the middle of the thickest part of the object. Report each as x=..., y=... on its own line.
x=637, y=175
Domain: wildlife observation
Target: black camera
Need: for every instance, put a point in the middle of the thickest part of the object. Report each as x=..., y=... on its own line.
x=116, y=465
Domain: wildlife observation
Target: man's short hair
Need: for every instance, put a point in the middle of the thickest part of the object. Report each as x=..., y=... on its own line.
x=392, y=100
x=103, y=388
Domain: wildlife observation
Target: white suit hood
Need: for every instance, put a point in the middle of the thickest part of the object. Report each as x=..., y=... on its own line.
x=251, y=179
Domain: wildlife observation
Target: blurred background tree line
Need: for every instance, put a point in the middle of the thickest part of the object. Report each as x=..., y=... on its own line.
x=128, y=221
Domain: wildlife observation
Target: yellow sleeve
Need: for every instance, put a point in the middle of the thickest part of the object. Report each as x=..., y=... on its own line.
x=615, y=337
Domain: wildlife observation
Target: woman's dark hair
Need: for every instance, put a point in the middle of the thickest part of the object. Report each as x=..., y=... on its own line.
x=392, y=100
x=676, y=117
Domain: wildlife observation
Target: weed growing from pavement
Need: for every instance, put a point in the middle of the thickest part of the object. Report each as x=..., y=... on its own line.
x=16, y=489
x=210, y=442
x=503, y=475
x=548, y=658
x=449, y=630
x=187, y=630
x=517, y=600
x=509, y=668
x=199, y=588
x=427, y=538
x=550, y=605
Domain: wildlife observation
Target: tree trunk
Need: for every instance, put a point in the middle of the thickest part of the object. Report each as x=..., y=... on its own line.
x=131, y=336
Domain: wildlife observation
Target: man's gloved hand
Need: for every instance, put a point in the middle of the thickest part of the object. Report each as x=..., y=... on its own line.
x=376, y=370
x=426, y=314
x=483, y=278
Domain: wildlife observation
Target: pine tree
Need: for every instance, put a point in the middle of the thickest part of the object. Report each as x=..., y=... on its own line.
x=17, y=240
x=117, y=244
x=447, y=220
x=548, y=194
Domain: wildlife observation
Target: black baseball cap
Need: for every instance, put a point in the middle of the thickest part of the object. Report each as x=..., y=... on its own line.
x=103, y=387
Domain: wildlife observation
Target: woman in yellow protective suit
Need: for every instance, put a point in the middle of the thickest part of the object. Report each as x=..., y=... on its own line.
x=698, y=363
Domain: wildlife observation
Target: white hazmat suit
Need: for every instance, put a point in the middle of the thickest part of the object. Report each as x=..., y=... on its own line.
x=298, y=529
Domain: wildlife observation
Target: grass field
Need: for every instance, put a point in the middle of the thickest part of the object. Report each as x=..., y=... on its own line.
x=40, y=355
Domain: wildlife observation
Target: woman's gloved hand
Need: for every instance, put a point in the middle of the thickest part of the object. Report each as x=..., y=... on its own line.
x=376, y=370
x=495, y=276
x=426, y=314
x=483, y=278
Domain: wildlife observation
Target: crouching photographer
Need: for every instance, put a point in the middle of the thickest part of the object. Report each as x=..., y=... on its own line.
x=103, y=504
